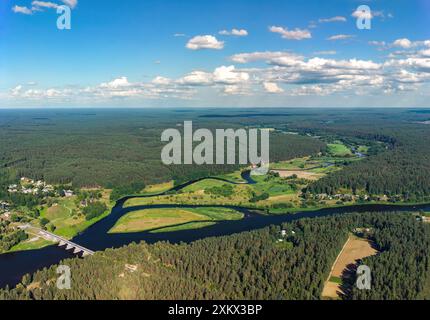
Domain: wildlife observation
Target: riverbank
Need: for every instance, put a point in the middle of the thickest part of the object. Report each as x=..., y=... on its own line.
x=14, y=265
x=229, y=190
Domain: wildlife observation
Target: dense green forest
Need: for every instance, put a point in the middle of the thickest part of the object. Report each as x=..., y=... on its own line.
x=249, y=265
x=119, y=148
x=401, y=271
x=112, y=148
x=402, y=169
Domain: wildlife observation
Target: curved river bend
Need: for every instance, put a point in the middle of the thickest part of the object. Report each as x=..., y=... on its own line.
x=14, y=265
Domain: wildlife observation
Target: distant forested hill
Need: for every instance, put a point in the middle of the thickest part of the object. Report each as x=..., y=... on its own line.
x=121, y=147
x=250, y=265
x=112, y=147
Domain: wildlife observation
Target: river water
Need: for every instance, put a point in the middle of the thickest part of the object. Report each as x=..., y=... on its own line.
x=14, y=265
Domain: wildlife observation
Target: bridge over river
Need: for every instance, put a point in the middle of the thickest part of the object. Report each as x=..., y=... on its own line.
x=62, y=242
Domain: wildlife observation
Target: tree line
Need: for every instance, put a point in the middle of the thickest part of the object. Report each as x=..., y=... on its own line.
x=249, y=265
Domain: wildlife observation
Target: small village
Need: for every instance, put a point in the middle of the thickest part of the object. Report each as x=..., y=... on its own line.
x=28, y=186
x=352, y=197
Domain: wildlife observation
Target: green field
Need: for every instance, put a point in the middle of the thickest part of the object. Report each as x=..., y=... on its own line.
x=70, y=229
x=320, y=164
x=158, y=188
x=278, y=189
x=187, y=226
x=234, y=177
x=66, y=216
x=273, y=186
x=363, y=149
x=281, y=193
x=338, y=149
x=203, y=185
x=152, y=219
x=31, y=245
x=295, y=164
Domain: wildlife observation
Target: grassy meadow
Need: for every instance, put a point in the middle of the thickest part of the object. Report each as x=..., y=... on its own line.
x=174, y=218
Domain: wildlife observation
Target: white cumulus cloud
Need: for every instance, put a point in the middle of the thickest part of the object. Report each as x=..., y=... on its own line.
x=196, y=78
x=37, y=6
x=272, y=87
x=229, y=75
x=402, y=43
x=116, y=83
x=340, y=37
x=44, y=4
x=23, y=10
x=234, y=32
x=71, y=3
x=205, y=42
x=161, y=81
x=362, y=14
x=296, y=34
x=333, y=19
x=261, y=55
x=221, y=75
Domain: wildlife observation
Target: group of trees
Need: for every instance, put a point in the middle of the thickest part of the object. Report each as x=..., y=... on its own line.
x=402, y=170
x=402, y=270
x=24, y=200
x=249, y=265
x=226, y=190
x=10, y=237
x=123, y=190
x=94, y=209
x=259, y=197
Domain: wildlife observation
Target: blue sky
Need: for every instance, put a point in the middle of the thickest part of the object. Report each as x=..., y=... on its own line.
x=198, y=53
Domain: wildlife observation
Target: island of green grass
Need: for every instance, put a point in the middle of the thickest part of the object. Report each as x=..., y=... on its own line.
x=173, y=219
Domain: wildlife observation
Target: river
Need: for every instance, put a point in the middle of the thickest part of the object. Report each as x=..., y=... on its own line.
x=14, y=265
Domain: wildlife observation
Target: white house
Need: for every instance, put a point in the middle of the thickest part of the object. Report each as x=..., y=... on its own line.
x=68, y=193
